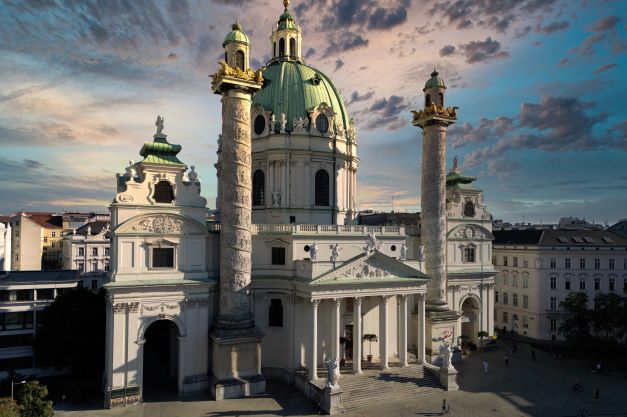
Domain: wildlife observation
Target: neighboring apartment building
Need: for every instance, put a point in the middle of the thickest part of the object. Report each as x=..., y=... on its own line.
x=86, y=249
x=36, y=241
x=5, y=243
x=537, y=269
x=23, y=294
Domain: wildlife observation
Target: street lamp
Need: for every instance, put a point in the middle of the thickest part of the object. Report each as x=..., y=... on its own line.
x=15, y=383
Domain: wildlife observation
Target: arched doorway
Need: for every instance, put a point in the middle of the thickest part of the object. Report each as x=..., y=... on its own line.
x=161, y=360
x=471, y=316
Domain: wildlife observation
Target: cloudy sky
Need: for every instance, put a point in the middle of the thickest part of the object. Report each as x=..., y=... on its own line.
x=540, y=84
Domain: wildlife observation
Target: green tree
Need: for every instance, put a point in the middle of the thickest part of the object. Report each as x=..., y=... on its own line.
x=577, y=318
x=607, y=314
x=31, y=399
x=72, y=333
x=8, y=408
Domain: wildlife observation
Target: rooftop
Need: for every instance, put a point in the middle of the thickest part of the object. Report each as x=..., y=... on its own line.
x=560, y=237
x=35, y=277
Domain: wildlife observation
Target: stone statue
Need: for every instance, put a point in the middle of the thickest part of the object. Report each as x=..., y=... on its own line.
x=404, y=251
x=447, y=356
x=276, y=198
x=192, y=175
x=89, y=230
x=273, y=123
x=332, y=366
x=455, y=160
x=421, y=253
x=130, y=171
x=220, y=142
x=159, y=124
x=371, y=243
x=351, y=131
x=300, y=125
x=283, y=122
x=335, y=252
x=313, y=251
x=339, y=130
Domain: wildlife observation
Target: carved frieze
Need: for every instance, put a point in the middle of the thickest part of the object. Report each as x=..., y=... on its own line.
x=159, y=224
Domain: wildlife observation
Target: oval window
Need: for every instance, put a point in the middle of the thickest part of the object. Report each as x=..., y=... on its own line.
x=260, y=124
x=322, y=123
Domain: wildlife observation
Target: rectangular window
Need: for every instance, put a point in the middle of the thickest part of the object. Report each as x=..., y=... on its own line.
x=514, y=299
x=53, y=244
x=611, y=284
x=553, y=263
x=553, y=283
x=525, y=263
x=16, y=321
x=525, y=322
x=597, y=284
x=278, y=256
x=505, y=318
x=505, y=300
x=106, y=266
x=163, y=257
x=553, y=325
x=611, y=263
x=525, y=301
x=94, y=251
x=496, y=297
x=515, y=281
x=515, y=261
x=582, y=284
x=81, y=251
x=504, y=260
x=80, y=266
x=582, y=263
x=525, y=281
x=597, y=263
x=45, y=239
x=494, y=260
x=469, y=254
x=553, y=303
x=567, y=283
x=54, y=234
x=94, y=284
x=107, y=251
x=567, y=263
x=45, y=294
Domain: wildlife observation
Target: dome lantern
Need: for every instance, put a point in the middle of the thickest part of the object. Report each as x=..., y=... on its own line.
x=434, y=90
x=237, y=48
x=286, y=38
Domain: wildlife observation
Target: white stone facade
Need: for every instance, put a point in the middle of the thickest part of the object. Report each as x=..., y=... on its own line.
x=5, y=246
x=88, y=252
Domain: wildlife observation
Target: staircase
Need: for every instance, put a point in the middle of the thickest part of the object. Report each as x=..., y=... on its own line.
x=375, y=386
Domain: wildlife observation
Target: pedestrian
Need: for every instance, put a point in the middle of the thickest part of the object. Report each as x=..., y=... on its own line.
x=444, y=407
x=506, y=360
x=533, y=355
x=485, y=366
x=596, y=395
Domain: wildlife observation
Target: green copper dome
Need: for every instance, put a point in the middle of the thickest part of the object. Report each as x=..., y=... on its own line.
x=435, y=81
x=236, y=35
x=286, y=21
x=293, y=89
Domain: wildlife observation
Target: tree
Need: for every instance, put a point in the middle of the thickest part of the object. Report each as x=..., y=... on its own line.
x=31, y=398
x=607, y=314
x=8, y=408
x=577, y=318
x=73, y=333
x=481, y=334
x=369, y=337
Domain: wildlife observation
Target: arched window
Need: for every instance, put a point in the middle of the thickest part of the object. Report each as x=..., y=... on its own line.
x=322, y=188
x=275, y=313
x=226, y=57
x=282, y=47
x=239, y=60
x=260, y=124
x=163, y=192
x=441, y=99
x=322, y=123
x=427, y=100
x=259, y=184
x=293, y=47
x=274, y=49
x=469, y=209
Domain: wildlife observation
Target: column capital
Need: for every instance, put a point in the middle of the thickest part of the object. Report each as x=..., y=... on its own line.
x=315, y=303
x=338, y=302
x=358, y=300
x=385, y=298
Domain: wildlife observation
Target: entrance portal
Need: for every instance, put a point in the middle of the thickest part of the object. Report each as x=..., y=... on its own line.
x=161, y=358
x=471, y=314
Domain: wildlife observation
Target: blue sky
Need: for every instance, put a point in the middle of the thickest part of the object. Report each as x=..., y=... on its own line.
x=540, y=85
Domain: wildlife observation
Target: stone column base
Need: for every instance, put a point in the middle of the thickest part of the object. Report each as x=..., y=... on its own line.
x=332, y=400
x=440, y=329
x=236, y=366
x=448, y=378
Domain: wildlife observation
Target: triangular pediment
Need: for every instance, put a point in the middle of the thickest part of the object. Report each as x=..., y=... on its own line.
x=370, y=267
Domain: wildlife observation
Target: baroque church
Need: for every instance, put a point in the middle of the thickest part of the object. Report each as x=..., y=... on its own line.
x=283, y=281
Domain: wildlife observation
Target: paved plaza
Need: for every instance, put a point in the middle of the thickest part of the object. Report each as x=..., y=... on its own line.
x=524, y=388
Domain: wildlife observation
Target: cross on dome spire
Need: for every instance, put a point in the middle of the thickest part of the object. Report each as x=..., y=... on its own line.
x=286, y=3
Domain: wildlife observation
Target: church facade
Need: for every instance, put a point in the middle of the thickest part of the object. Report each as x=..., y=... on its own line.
x=284, y=280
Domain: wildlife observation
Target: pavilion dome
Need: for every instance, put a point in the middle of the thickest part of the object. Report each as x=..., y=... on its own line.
x=294, y=88
x=236, y=35
x=435, y=81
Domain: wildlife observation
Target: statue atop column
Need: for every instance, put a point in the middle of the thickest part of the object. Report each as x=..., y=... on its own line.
x=159, y=124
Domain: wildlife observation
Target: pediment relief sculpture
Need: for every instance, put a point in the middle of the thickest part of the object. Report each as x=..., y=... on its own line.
x=160, y=224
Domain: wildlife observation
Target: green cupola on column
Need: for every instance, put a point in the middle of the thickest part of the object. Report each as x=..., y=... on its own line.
x=286, y=38
x=237, y=48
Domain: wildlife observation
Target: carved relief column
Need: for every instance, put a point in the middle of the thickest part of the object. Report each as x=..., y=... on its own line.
x=383, y=330
x=313, y=350
x=234, y=334
x=357, y=336
x=402, y=331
